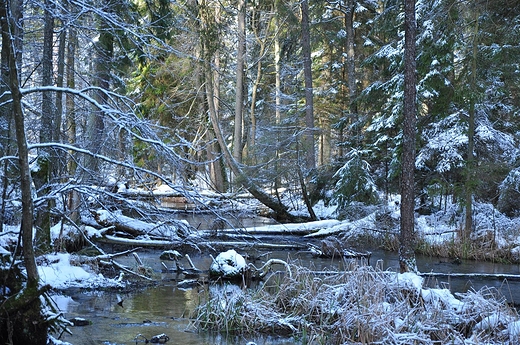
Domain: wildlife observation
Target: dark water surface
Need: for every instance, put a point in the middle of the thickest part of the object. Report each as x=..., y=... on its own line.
x=165, y=308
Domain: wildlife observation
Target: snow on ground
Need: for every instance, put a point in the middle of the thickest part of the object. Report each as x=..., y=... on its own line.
x=59, y=272
x=436, y=228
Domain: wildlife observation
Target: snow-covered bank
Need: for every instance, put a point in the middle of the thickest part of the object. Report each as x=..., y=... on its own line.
x=62, y=271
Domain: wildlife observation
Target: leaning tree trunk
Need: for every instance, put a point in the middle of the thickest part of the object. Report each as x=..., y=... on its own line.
x=280, y=209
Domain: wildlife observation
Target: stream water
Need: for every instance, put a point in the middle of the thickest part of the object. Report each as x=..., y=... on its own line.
x=165, y=308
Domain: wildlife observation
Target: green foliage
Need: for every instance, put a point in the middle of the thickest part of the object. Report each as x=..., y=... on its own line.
x=510, y=194
x=355, y=182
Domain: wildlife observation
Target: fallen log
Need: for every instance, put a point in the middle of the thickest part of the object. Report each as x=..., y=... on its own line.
x=169, y=243
x=175, y=230
x=301, y=229
x=245, y=244
x=141, y=243
x=497, y=276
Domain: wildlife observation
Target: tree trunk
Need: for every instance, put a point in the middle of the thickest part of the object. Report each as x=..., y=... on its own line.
x=262, y=42
x=42, y=176
x=103, y=50
x=239, y=90
x=6, y=123
x=26, y=323
x=60, y=80
x=407, y=235
x=470, y=161
x=308, y=146
x=217, y=171
x=59, y=167
x=23, y=159
x=278, y=93
x=47, y=119
x=73, y=196
x=351, y=66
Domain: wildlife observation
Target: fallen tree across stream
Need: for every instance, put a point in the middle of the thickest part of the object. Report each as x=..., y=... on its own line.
x=123, y=230
x=497, y=276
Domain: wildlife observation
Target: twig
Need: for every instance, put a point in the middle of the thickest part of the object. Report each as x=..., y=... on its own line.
x=118, y=265
x=138, y=259
x=192, y=266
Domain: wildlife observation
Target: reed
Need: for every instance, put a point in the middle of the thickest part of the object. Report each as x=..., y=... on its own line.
x=362, y=304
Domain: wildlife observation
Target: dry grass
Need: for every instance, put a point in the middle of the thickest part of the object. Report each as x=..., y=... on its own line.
x=471, y=250
x=362, y=305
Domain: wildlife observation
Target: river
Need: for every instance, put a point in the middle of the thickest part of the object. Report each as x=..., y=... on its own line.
x=165, y=307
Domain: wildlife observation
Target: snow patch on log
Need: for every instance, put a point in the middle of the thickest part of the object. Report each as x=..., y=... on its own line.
x=228, y=264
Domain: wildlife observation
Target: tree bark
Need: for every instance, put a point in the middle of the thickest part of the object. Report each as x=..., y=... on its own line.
x=407, y=239
x=73, y=200
x=23, y=159
x=46, y=158
x=351, y=66
x=6, y=121
x=239, y=90
x=470, y=161
x=278, y=92
x=310, y=154
x=47, y=119
x=262, y=42
x=26, y=322
x=103, y=50
x=216, y=167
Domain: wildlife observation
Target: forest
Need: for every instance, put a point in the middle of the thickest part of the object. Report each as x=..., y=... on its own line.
x=298, y=104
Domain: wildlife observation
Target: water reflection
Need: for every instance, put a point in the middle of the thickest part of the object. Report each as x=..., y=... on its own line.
x=118, y=318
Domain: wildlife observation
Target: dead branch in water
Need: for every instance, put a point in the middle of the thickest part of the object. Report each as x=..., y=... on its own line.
x=262, y=271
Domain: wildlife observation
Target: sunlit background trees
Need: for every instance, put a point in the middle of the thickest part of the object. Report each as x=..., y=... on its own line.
x=119, y=90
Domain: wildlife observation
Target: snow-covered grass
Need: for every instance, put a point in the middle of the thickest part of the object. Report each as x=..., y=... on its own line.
x=496, y=237
x=360, y=305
